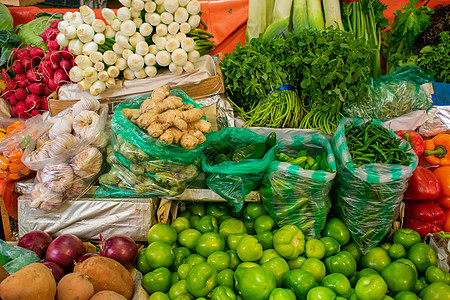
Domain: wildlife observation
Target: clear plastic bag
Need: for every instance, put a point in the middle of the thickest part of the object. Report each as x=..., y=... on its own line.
x=14, y=258
x=234, y=180
x=293, y=195
x=69, y=155
x=392, y=95
x=367, y=197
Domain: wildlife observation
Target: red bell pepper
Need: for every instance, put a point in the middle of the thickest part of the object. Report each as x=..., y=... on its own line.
x=423, y=185
x=414, y=139
x=424, y=217
x=446, y=225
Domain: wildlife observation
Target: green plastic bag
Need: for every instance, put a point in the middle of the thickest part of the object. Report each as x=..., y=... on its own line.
x=234, y=180
x=392, y=95
x=368, y=197
x=14, y=258
x=293, y=195
x=154, y=147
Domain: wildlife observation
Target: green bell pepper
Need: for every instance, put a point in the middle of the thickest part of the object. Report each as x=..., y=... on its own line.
x=158, y=280
x=282, y=294
x=255, y=283
x=162, y=232
x=201, y=280
x=268, y=255
x=179, y=288
x=207, y=223
x=338, y=283
x=278, y=267
x=265, y=238
x=321, y=292
x=300, y=282
x=406, y=237
x=399, y=277
x=376, y=258
x=158, y=296
x=289, y=241
x=226, y=277
x=249, y=248
x=189, y=237
x=231, y=226
x=220, y=260
x=336, y=229
x=159, y=254
x=209, y=242
x=406, y=295
x=271, y=140
x=434, y=274
x=423, y=256
x=343, y=262
x=223, y=292
x=234, y=259
x=180, y=224
x=315, y=267
x=436, y=291
x=180, y=254
x=370, y=287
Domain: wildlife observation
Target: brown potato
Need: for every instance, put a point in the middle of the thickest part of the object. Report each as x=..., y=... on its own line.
x=3, y=274
x=108, y=295
x=107, y=274
x=74, y=286
x=34, y=281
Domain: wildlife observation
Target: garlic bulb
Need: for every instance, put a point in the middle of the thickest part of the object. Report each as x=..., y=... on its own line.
x=61, y=144
x=101, y=141
x=85, y=124
x=77, y=190
x=62, y=125
x=43, y=198
x=88, y=162
x=38, y=154
x=42, y=140
x=57, y=178
x=90, y=104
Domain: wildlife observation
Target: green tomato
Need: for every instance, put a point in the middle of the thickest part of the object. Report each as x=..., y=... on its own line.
x=336, y=229
x=436, y=291
x=265, y=238
x=376, y=258
x=314, y=248
x=195, y=259
x=183, y=297
x=158, y=296
x=249, y=249
x=300, y=282
x=434, y=274
x=180, y=224
x=226, y=277
x=193, y=220
x=397, y=251
x=338, y=283
x=158, y=280
x=343, y=262
x=399, y=277
x=222, y=218
x=268, y=255
x=282, y=294
x=209, y=242
x=141, y=262
x=223, y=292
x=255, y=284
x=175, y=277
x=185, y=214
x=331, y=246
x=234, y=259
x=386, y=246
x=250, y=226
x=278, y=267
x=231, y=226
x=198, y=209
x=406, y=295
x=233, y=240
x=406, y=237
x=264, y=223
x=371, y=287
x=189, y=237
x=253, y=211
x=367, y=271
x=220, y=260
x=183, y=270
x=217, y=209
x=162, y=232
x=159, y=254
x=421, y=283
x=179, y=288
x=315, y=267
x=241, y=268
x=354, y=250
x=180, y=254
x=201, y=280
x=321, y=292
x=410, y=263
x=423, y=256
x=207, y=224
x=289, y=241
x=296, y=263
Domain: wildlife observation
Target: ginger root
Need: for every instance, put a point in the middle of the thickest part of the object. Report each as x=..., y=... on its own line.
x=146, y=119
x=171, y=135
x=202, y=125
x=173, y=117
x=171, y=102
x=155, y=130
x=186, y=107
x=198, y=134
x=131, y=114
x=189, y=141
x=160, y=93
x=193, y=115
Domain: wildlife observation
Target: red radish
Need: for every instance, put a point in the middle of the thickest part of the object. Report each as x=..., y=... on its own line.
x=12, y=85
x=54, y=24
x=65, y=53
x=22, y=80
x=28, y=63
x=59, y=76
x=40, y=68
x=36, y=88
x=53, y=45
x=47, y=91
x=21, y=94
x=47, y=72
x=73, y=61
x=44, y=103
x=7, y=93
x=13, y=111
x=36, y=52
x=54, y=65
x=17, y=67
x=33, y=75
x=23, y=53
x=52, y=85
x=55, y=56
x=14, y=54
x=35, y=112
x=12, y=100
x=65, y=65
x=32, y=101
x=21, y=108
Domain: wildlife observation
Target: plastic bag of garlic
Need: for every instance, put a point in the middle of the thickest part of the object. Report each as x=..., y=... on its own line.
x=68, y=156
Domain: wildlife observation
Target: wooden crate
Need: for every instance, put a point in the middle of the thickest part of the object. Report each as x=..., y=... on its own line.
x=205, y=88
x=20, y=2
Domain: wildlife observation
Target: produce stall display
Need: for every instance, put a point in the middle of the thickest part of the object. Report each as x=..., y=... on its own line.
x=309, y=162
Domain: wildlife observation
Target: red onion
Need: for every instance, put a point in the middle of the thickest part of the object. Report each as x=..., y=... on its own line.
x=120, y=248
x=36, y=241
x=57, y=271
x=86, y=256
x=64, y=250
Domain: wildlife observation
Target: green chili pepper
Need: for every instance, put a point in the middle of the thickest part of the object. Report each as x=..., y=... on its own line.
x=220, y=158
x=316, y=165
x=302, y=153
x=310, y=161
x=252, y=151
x=298, y=160
x=284, y=157
x=271, y=140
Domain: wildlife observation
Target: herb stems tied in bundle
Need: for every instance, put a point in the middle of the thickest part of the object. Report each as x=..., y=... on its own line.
x=203, y=42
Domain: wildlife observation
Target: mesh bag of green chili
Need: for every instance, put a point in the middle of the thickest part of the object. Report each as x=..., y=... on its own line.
x=392, y=95
x=232, y=179
x=367, y=197
x=293, y=195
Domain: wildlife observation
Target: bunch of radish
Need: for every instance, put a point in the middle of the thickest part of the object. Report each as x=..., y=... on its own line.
x=37, y=75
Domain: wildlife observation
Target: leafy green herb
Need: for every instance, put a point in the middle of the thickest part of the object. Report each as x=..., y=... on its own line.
x=8, y=41
x=437, y=58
